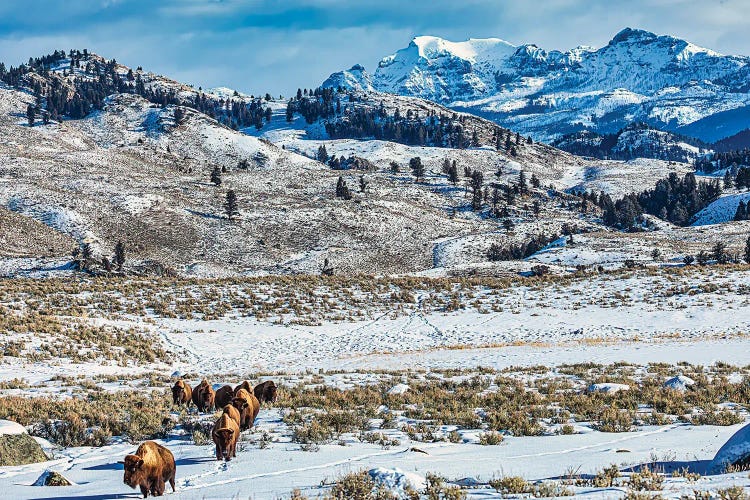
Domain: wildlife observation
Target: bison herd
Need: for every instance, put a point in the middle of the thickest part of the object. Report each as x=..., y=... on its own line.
x=153, y=465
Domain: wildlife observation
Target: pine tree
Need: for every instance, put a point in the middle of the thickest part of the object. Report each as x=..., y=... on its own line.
x=230, y=205
x=289, y=111
x=453, y=175
x=87, y=253
x=535, y=181
x=477, y=178
x=216, y=176
x=728, y=180
x=327, y=269
x=342, y=190
x=720, y=253
x=31, y=114
x=417, y=168
x=741, y=213
x=119, y=255
x=395, y=167
x=747, y=250
x=322, y=154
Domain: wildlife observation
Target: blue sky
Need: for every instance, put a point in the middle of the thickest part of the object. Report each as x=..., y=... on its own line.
x=279, y=45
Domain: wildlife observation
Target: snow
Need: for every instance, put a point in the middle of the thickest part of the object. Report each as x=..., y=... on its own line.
x=638, y=76
x=8, y=427
x=608, y=387
x=721, y=210
x=735, y=449
x=396, y=480
x=679, y=383
x=398, y=389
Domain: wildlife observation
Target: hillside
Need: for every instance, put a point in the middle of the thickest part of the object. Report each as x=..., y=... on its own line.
x=637, y=140
x=660, y=80
x=137, y=169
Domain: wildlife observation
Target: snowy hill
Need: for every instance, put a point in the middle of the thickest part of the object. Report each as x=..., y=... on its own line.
x=660, y=80
x=634, y=141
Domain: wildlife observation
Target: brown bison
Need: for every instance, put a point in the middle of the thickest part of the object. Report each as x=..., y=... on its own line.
x=248, y=406
x=181, y=393
x=150, y=467
x=233, y=413
x=225, y=435
x=224, y=396
x=203, y=396
x=266, y=392
x=244, y=385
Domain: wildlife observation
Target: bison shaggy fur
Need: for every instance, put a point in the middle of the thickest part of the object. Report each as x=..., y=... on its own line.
x=224, y=396
x=182, y=394
x=265, y=392
x=225, y=434
x=203, y=396
x=248, y=406
x=150, y=468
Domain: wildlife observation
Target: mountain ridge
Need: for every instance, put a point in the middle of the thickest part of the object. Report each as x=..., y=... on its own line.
x=661, y=80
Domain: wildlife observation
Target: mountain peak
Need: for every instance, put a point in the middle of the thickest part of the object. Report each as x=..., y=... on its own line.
x=632, y=35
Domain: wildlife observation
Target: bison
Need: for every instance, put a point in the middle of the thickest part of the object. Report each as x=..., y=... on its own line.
x=248, y=406
x=233, y=413
x=265, y=392
x=150, y=467
x=181, y=393
x=225, y=434
x=224, y=396
x=244, y=385
x=203, y=396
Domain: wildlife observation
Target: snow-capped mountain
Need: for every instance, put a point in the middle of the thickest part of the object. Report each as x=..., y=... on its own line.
x=355, y=78
x=664, y=81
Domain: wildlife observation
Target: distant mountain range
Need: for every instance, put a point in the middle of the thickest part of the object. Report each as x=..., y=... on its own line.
x=662, y=81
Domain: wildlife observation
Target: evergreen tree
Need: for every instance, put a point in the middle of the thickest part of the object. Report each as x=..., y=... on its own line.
x=216, y=176
x=453, y=175
x=477, y=179
x=747, y=250
x=31, y=114
x=395, y=167
x=536, y=207
x=119, y=255
x=322, y=154
x=230, y=205
x=728, y=180
x=417, y=168
x=363, y=183
x=741, y=213
x=342, y=190
x=535, y=181
x=703, y=258
x=179, y=115
x=719, y=253
x=327, y=269
x=87, y=254
x=290, y=111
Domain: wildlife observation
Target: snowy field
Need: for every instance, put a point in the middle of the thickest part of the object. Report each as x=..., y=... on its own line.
x=656, y=324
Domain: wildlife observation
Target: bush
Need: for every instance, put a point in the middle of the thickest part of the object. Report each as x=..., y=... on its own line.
x=614, y=420
x=645, y=480
x=490, y=438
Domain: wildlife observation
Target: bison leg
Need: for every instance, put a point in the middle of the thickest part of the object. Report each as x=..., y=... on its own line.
x=144, y=491
x=218, y=453
x=171, y=480
x=158, y=486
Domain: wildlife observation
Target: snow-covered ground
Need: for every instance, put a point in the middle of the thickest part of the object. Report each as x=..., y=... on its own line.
x=273, y=472
x=700, y=317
